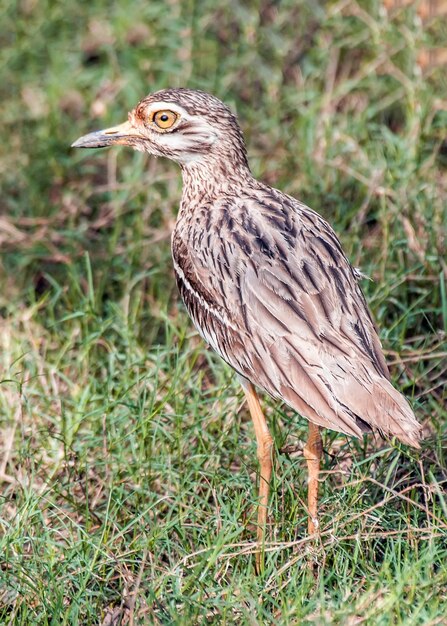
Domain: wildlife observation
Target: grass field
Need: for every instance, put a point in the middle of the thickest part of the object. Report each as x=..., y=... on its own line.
x=127, y=456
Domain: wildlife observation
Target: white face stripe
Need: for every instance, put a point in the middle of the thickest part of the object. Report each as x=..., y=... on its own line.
x=160, y=105
x=186, y=144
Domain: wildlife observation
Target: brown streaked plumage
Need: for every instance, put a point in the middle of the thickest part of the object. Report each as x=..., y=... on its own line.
x=267, y=284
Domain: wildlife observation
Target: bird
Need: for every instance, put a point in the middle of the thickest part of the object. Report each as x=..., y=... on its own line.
x=267, y=285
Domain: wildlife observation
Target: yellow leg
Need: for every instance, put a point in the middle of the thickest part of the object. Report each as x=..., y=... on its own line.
x=312, y=454
x=265, y=456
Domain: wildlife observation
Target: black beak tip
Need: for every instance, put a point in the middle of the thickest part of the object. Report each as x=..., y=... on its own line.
x=84, y=142
x=98, y=139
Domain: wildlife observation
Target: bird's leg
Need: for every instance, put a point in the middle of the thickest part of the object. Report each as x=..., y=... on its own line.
x=312, y=454
x=265, y=456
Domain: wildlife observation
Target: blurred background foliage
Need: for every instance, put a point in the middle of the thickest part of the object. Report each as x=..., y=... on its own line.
x=107, y=391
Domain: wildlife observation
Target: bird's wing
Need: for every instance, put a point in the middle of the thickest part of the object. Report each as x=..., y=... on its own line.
x=281, y=304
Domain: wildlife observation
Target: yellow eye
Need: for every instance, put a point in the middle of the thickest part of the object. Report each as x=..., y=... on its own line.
x=164, y=119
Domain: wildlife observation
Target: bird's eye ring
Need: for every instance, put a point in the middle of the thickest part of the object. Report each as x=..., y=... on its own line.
x=164, y=119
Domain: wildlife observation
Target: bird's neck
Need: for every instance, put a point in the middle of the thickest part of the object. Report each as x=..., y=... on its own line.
x=209, y=178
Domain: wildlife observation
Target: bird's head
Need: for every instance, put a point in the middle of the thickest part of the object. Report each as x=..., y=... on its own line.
x=184, y=125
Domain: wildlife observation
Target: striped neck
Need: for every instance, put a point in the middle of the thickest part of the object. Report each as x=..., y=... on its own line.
x=209, y=178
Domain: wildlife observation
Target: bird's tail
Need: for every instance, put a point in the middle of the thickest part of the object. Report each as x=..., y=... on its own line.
x=394, y=416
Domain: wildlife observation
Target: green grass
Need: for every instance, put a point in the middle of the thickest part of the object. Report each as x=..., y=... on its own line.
x=127, y=458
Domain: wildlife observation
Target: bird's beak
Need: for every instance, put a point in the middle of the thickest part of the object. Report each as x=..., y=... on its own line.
x=123, y=134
